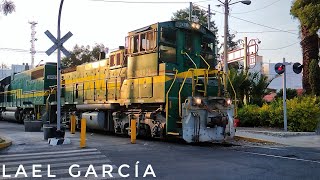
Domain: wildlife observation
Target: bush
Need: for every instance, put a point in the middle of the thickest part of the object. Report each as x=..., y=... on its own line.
x=303, y=114
x=249, y=116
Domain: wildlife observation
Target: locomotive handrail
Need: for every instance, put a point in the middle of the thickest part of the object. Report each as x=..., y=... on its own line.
x=235, y=96
x=185, y=53
x=204, y=60
x=167, y=99
x=184, y=80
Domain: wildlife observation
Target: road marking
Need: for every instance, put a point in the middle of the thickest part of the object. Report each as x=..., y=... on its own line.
x=59, y=162
x=46, y=153
x=53, y=160
x=272, y=148
x=282, y=157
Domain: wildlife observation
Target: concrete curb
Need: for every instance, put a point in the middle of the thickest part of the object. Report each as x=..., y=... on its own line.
x=255, y=140
x=5, y=144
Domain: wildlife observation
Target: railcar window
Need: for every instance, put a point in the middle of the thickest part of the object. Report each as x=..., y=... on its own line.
x=118, y=59
x=37, y=74
x=112, y=60
x=77, y=91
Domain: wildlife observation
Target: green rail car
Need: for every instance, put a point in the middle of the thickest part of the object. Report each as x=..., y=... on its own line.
x=24, y=95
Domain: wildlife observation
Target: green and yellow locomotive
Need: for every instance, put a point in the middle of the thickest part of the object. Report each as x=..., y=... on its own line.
x=164, y=77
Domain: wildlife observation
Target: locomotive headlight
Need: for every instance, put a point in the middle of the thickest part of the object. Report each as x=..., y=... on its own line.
x=228, y=101
x=195, y=26
x=198, y=101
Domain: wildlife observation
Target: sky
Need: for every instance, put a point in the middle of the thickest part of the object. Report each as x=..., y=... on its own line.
x=100, y=21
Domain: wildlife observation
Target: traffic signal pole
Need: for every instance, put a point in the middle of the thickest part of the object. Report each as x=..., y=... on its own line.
x=285, y=98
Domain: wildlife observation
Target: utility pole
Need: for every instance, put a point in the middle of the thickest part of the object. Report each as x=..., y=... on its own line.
x=225, y=45
x=285, y=97
x=33, y=39
x=59, y=71
x=245, y=56
x=190, y=11
x=209, y=16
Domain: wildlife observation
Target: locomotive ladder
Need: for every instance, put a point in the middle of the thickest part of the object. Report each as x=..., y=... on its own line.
x=195, y=73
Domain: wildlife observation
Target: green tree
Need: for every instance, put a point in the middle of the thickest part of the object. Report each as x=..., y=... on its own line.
x=82, y=54
x=240, y=82
x=252, y=85
x=314, y=77
x=258, y=87
x=7, y=7
x=308, y=13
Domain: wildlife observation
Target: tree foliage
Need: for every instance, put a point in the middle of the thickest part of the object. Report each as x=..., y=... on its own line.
x=82, y=54
x=252, y=85
x=314, y=77
x=308, y=13
x=7, y=7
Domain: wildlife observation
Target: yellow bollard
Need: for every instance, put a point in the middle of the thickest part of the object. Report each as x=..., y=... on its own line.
x=73, y=124
x=133, y=131
x=83, y=133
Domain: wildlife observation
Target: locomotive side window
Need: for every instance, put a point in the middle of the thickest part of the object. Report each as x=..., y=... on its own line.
x=112, y=60
x=168, y=36
x=77, y=92
x=168, y=45
x=141, y=43
x=135, y=43
x=207, y=50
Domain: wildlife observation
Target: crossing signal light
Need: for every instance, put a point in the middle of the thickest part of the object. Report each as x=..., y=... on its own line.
x=279, y=68
x=297, y=68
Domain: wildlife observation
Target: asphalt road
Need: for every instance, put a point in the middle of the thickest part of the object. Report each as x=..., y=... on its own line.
x=169, y=160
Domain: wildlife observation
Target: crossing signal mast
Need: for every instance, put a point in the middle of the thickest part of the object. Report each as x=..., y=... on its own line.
x=280, y=68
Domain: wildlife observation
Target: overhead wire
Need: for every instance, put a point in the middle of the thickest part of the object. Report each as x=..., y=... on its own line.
x=19, y=50
x=274, y=49
x=258, y=8
x=269, y=27
x=147, y=2
x=242, y=32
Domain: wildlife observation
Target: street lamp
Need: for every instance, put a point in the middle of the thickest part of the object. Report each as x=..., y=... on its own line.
x=226, y=5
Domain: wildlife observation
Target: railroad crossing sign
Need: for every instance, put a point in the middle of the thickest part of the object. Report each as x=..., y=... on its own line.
x=58, y=44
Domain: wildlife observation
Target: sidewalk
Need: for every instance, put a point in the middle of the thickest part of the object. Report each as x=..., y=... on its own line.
x=297, y=139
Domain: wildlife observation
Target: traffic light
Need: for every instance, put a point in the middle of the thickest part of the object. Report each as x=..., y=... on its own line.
x=279, y=68
x=297, y=68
